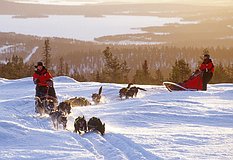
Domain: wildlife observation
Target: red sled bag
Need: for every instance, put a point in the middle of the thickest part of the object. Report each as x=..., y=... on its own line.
x=194, y=83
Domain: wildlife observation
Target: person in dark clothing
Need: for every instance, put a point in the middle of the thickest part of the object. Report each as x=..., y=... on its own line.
x=43, y=80
x=207, y=68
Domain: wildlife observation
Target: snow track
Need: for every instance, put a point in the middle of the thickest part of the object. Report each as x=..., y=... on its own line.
x=101, y=148
x=155, y=125
x=27, y=59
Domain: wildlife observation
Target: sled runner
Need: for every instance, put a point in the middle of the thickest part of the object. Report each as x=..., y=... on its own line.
x=194, y=83
x=174, y=87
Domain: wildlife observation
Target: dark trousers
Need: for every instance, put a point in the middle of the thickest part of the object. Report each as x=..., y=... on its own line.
x=41, y=91
x=206, y=78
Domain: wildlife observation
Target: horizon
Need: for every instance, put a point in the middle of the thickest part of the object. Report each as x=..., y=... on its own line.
x=83, y=2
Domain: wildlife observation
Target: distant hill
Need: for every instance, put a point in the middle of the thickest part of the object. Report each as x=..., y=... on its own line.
x=88, y=56
x=10, y=8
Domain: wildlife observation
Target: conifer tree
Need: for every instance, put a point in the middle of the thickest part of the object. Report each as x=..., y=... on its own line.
x=61, y=67
x=97, y=77
x=145, y=68
x=77, y=76
x=112, y=66
x=143, y=76
x=67, y=69
x=158, y=77
x=15, y=68
x=46, y=53
x=138, y=77
x=229, y=72
x=180, y=71
x=220, y=74
x=114, y=71
x=125, y=71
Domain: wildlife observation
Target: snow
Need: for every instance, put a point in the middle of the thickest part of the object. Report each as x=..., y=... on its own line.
x=27, y=59
x=3, y=62
x=128, y=42
x=161, y=33
x=11, y=48
x=4, y=48
x=156, y=125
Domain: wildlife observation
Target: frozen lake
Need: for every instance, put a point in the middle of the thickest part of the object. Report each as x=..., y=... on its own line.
x=82, y=28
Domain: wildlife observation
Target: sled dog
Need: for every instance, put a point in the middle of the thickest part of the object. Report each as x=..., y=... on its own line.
x=123, y=91
x=95, y=124
x=64, y=107
x=97, y=96
x=133, y=91
x=80, y=124
x=57, y=118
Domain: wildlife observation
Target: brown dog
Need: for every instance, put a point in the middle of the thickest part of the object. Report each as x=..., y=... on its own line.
x=80, y=101
x=97, y=96
x=133, y=91
x=123, y=91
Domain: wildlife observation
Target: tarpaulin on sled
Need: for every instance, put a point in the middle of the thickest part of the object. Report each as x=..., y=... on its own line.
x=194, y=82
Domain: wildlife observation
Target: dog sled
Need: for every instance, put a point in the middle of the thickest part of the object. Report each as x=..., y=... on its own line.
x=194, y=83
x=45, y=102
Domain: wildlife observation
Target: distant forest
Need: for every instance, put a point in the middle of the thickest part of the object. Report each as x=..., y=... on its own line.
x=86, y=61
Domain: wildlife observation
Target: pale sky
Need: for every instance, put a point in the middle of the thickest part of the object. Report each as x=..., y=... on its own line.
x=78, y=2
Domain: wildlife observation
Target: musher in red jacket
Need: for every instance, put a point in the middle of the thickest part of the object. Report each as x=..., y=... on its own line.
x=43, y=80
x=207, y=67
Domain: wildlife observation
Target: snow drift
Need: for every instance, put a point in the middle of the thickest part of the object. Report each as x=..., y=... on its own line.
x=155, y=125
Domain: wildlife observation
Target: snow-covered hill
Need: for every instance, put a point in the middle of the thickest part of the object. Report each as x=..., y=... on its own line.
x=155, y=125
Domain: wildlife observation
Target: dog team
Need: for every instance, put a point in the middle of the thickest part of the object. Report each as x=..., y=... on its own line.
x=59, y=113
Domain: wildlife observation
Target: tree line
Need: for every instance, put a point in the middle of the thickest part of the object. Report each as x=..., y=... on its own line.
x=87, y=57
x=114, y=70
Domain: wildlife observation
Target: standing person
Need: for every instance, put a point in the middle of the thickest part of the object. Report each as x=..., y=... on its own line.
x=207, y=67
x=43, y=80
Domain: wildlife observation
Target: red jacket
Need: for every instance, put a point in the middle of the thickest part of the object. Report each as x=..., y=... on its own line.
x=41, y=77
x=207, y=66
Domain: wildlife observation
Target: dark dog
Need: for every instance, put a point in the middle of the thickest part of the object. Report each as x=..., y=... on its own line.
x=80, y=124
x=80, y=101
x=58, y=118
x=97, y=96
x=123, y=91
x=133, y=91
x=64, y=107
x=95, y=124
